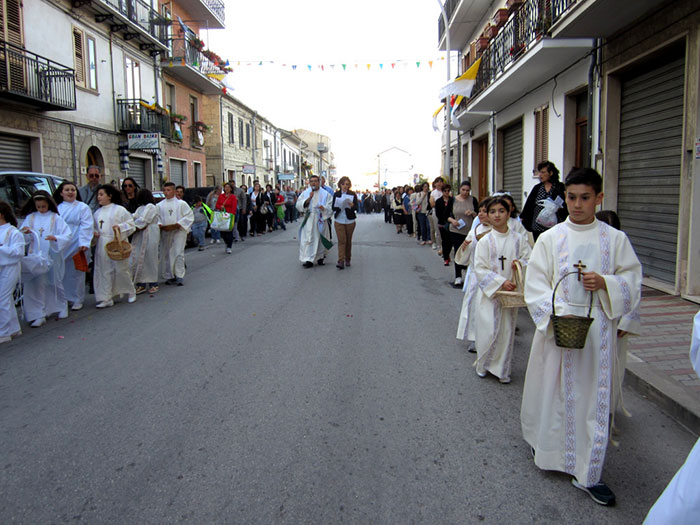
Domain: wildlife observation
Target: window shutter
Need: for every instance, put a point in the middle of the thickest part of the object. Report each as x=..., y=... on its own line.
x=541, y=134
x=545, y=133
x=11, y=27
x=78, y=57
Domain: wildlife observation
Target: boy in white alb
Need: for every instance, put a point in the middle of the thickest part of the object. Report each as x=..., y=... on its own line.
x=567, y=394
x=175, y=219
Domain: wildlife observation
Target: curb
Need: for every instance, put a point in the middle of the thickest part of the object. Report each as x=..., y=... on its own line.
x=672, y=398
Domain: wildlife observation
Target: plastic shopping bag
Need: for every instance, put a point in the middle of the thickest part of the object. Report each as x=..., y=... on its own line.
x=222, y=221
x=548, y=214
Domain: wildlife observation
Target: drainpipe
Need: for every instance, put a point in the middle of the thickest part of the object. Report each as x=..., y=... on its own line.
x=589, y=116
x=114, y=92
x=448, y=124
x=494, y=143
x=221, y=131
x=255, y=169
x=72, y=150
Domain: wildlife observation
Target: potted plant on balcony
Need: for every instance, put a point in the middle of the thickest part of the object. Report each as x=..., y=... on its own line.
x=542, y=26
x=196, y=43
x=176, y=117
x=201, y=126
x=489, y=31
x=481, y=44
x=500, y=17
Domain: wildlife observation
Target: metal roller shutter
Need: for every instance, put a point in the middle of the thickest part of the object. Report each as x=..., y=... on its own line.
x=651, y=133
x=513, y=162
x=137, y=170
x=177, y=172
x=15, y=153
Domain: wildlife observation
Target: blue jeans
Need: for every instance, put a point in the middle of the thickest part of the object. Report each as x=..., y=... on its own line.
x=423, y=227
x=198, y=229
x=215, y=234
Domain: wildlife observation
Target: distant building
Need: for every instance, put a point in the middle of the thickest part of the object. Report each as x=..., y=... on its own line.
x=394, y=168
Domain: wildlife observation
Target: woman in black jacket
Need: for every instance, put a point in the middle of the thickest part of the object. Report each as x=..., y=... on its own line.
x=258, y=210
x=345, y=213
x=443, y=211
x=548, y=188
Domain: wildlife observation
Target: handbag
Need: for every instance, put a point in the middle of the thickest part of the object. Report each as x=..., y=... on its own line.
x=223, y=221
x=80, y=262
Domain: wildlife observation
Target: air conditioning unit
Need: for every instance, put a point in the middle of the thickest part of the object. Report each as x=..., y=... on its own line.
x=322, y=148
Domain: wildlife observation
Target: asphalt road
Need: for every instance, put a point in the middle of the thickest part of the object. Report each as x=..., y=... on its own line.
x=262, y=392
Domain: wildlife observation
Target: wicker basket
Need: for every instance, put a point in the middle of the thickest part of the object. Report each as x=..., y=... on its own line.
x=515, y=299
x=570, y=331
x=118, y=250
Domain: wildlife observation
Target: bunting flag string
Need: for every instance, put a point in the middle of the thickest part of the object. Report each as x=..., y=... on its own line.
x=327, y=67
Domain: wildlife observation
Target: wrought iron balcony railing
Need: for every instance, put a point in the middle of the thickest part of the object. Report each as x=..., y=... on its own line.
x=528, y=24
x=34, y=79
x=559, y=7
x=135, y=115
x=217, y=7
x=182, y=50
x=139, y=13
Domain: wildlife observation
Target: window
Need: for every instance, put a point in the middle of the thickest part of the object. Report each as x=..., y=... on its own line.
x=247, y=135
x=132, y=70
x=11, y=27
x=194, y=110
x=541, y=134
x=240, y=132
x=230, y=128
x=85, y=59
x=165, y=11
x=582, y=159
x=170, y=98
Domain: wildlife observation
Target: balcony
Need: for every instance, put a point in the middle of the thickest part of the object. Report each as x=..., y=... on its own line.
x=134, y=115
x=187, y=63
x=211, y=13
x=35, y=80
x=521, y=56
x=134, y=19
x=464, y=16
x=592, y=18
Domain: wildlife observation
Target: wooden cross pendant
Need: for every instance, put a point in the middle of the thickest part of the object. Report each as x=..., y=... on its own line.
x=101, y=223
x=170, y=211
x=579, y=266
x=502, y=259
x=41, y=233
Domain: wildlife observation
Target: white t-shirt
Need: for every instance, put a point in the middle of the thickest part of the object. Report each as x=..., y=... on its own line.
x=436, y=195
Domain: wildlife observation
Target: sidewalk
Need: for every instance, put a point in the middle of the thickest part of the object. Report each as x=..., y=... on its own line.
x=658, y=365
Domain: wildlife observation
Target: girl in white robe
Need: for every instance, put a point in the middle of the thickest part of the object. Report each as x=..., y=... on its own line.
x=144, y=244
x=78, y=216
x=466, y=328
x=43, y=294
x=112, y=277
x=495, y=255
x=11, y=253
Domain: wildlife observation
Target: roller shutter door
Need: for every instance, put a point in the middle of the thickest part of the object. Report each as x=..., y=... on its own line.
x=137, y=170
x=513, y=162
x=15, y=153
x=651, y=133
x=177, y=172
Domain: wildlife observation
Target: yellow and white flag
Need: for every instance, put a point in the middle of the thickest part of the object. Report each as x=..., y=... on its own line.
x=463, y=84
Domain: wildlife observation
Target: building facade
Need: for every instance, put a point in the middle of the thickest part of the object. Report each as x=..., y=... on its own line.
x=563, y=81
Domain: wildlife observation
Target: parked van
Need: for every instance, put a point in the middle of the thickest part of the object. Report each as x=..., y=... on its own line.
x=17, y=186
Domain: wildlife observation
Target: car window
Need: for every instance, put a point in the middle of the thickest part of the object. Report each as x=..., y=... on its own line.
x=29, y=184
x=7, y=191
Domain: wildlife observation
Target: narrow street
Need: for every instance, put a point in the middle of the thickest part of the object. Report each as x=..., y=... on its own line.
x=262, y=392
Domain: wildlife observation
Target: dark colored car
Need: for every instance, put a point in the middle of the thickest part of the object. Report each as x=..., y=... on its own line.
x=17, y=186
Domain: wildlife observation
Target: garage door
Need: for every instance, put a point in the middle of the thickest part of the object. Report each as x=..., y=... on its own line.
x=177, y=172
x=513, y=162
x=651, y=132
x=15, y=153
x=137, y=170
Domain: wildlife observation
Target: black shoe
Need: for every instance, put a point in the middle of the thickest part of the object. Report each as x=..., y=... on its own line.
x=170, y=281
x=340, y=265
x=600, y=493
x=308, y=264
x=321, y=262
x=532, y=451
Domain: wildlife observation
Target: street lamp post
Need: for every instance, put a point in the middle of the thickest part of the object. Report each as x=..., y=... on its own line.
x=448, y=126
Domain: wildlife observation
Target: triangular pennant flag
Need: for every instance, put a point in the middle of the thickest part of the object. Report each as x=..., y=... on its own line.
x=381, y=66
x=333, y=66
x=294, y=67
x=309, y=66
x=227, y=63
x=393, y=65
x=417, y=64
x=369, y=66
x=344, y=66
x=260, y=64
x=430, y=63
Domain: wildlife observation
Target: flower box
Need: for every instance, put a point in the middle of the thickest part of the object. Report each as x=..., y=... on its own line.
x=490, y=31
x=513, y=5
x=500, y=18
x=481, y=44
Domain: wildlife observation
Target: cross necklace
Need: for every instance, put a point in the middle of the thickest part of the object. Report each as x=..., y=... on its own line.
x=502, y=259
x=41, y=233
x=101, y=223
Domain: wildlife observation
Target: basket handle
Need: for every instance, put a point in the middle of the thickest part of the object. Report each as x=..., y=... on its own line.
x=590, y=306
x=519, y=276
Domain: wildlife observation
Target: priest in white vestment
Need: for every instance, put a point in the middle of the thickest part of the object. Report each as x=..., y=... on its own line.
x=11, y=253
x=111, y=278
x=315, y=206
x=43, y=293
x=679, y=504
x=566, y=404
x=175, y=219
x=78, y=217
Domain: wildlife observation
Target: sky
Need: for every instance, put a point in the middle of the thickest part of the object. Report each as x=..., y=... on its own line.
x=364, y=112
